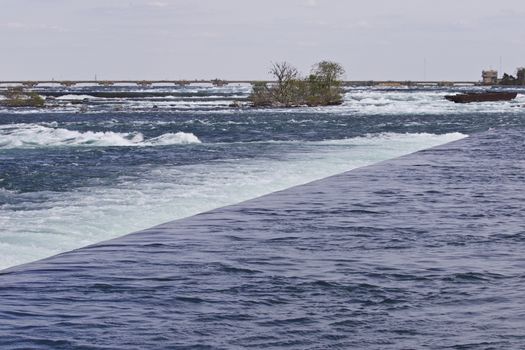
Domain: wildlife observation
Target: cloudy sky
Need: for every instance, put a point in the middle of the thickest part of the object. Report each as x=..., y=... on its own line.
x=237, y=39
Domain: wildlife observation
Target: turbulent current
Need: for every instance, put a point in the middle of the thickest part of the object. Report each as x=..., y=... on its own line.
x=76, y=174
x=385, y=258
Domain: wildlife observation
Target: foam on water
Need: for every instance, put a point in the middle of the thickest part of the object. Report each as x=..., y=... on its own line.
x=41, y=224
x=395, y=102
x=357, y=101
x=75, y=97
x=37, y=136
x=423, y=252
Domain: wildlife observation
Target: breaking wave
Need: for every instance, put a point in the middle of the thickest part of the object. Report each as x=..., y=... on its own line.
x=37, y=136
x=75, y=97
x=67, y=220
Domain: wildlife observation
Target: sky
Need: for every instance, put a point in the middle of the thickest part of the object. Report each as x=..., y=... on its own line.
x=239, y=39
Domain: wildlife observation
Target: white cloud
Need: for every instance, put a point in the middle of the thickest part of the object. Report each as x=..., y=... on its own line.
x=157, y=4
x=207, y=35
x=32, y=26
x=311, y=3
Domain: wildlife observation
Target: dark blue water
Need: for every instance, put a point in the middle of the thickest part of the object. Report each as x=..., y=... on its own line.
x=423, y=251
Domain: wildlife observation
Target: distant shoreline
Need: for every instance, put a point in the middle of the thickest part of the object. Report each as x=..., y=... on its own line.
x=219, y=82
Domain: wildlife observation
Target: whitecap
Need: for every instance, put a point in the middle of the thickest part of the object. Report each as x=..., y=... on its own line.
x=87, y=215
x=75, y=97
x=174, y=138
x=37, y=136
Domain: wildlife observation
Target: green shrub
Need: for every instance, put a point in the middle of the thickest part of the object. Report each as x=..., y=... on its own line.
x=17, y=97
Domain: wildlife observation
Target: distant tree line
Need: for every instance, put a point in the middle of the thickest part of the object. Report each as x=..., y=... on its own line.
x=322, y=87
x=511, y=80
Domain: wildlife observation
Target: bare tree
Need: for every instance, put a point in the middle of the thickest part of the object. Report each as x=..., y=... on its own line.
x=286, y=76
x=284, y=72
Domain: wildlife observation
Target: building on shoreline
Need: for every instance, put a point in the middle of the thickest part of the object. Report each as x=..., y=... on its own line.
x=489, y=77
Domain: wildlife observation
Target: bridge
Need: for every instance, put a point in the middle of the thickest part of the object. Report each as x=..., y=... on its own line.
x=220, y=82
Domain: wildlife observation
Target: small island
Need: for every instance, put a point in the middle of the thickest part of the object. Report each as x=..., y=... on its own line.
x=321, y=88
x=17, y=97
